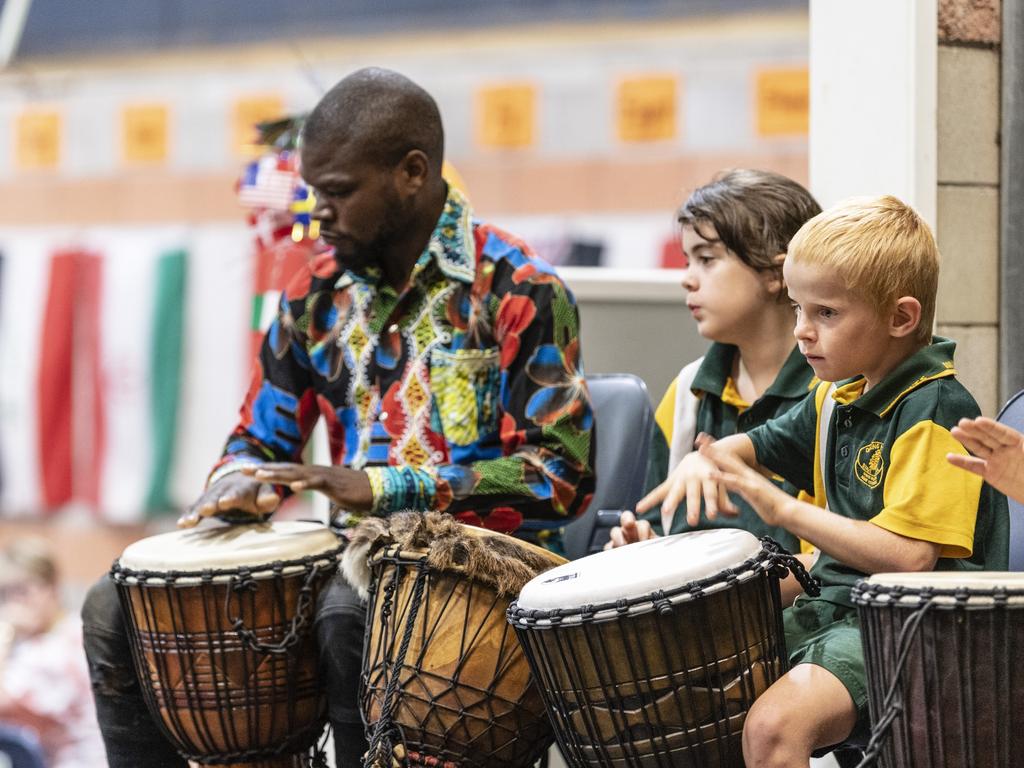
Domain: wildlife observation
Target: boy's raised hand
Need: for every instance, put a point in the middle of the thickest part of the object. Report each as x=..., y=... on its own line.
x=733, y=474
x=998, y=454
x=690, y=480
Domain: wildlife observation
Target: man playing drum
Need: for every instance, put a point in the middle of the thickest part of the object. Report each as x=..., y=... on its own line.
x=862, y=277
x=443, y=356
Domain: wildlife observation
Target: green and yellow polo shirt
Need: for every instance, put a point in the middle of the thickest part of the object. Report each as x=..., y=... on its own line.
x=885, y=462
x=722, y=412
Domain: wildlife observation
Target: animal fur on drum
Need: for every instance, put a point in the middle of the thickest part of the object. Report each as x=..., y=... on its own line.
x=498, y=561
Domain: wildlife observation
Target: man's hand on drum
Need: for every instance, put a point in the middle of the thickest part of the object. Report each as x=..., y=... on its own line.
x=692, y=479
x=998, y=454
x=348, y=488
x=630, y=530
x=235, y=492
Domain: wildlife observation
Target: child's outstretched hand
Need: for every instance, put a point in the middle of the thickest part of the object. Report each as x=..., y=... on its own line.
x=767, y=499
x=690, y=480
x=998, y=454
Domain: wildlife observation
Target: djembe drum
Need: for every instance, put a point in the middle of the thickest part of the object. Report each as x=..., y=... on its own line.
x=444, y=678
x=941, y=651
x=652, y=654
x=220, y=621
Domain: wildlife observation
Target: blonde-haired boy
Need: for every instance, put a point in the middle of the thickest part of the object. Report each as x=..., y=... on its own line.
x=862, y=277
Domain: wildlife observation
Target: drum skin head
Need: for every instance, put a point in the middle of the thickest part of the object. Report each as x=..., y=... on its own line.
x=980, y=580
x=639, y=569
x=228, y=546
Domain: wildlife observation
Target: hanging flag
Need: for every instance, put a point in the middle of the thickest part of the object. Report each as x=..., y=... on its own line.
x=165, y=372
x=216, y=363
x=89, y=424
x=126, y=337
x=23, y=299
x=269, y=182
x=276, y=263
x=56, y=383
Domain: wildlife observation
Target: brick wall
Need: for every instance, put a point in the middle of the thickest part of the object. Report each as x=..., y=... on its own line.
x=968, y=190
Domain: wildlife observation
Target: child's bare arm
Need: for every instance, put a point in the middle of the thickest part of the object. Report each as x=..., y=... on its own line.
x=691, y=480
x=998, y=454
x=858, y=543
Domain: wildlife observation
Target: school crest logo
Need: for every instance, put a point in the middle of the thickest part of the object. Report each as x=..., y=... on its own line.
x=869, y=465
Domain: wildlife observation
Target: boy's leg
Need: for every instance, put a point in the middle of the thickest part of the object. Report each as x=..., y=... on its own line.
x=131, y=737
x=807, y=708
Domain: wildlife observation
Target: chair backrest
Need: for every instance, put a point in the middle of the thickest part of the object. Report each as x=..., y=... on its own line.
x=623, y=418
x=1012, y=415
x=20, y=749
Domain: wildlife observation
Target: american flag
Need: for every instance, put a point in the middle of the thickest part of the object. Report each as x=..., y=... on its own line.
x=268, y=183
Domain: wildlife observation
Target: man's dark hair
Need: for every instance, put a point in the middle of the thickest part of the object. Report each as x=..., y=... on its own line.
x=755, y=214
x=385, y=112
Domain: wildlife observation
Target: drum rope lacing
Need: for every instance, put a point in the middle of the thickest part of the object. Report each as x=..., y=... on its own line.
x=929, y=598
x=241, y=580
x=381, y=748
x=783, y=561
x=245, y=582
x=892, y=702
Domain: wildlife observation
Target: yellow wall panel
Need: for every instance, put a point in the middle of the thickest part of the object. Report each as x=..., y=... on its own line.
x=646, y=108
x=37, y=140
x=783, y=102
x=506, y=116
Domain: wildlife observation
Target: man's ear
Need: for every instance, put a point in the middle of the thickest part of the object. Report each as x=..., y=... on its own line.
x=905, y=318
x=412, y=171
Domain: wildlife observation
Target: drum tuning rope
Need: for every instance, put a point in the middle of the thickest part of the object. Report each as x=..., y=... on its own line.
x=892, y=703
x=787, y=562
x=381, y=751
x=244, y=582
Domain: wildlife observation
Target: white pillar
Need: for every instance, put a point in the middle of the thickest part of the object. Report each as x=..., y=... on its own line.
x=873, y=100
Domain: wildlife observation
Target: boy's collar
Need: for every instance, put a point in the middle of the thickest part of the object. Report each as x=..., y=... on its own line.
x=934, y=361
x=792, y=380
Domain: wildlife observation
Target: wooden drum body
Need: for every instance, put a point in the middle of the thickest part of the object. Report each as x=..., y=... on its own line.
x=652, y=654
x=945, y=648
x=444, y=677
x=220, y=621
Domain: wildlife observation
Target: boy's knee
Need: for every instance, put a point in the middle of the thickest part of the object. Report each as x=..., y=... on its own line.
x=764, y=735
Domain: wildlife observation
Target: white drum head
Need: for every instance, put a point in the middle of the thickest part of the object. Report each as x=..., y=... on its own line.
x=639, y=569
x=228, y=546
x=913, y=589
x=979, y=580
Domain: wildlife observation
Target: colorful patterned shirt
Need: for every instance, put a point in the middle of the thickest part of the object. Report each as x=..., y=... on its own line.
x=462, y=392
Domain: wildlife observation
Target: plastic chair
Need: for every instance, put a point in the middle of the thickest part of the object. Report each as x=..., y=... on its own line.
x=623, y=418
x=1012, y=415
x=21, y=748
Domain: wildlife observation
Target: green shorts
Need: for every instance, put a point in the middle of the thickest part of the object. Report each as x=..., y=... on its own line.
x=828, y=634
